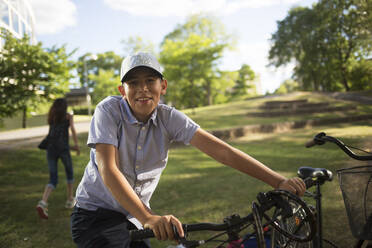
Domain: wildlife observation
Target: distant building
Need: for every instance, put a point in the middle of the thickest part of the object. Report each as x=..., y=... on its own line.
x=17, y=17
x=79, y=97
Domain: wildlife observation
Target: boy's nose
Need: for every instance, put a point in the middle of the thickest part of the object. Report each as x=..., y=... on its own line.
x=142, y=85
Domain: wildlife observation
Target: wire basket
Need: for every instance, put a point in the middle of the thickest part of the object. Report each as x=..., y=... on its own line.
x=356, y=187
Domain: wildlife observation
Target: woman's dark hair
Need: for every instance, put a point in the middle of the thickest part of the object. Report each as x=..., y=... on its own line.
x=57, y=112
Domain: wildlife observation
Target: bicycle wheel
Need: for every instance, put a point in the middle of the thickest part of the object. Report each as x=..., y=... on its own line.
x=278, y=240
x=258, y=226
x=293, y=219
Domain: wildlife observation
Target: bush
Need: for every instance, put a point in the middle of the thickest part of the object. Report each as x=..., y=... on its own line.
x=82, y=110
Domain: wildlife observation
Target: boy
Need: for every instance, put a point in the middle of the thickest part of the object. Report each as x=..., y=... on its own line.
x=129, y=139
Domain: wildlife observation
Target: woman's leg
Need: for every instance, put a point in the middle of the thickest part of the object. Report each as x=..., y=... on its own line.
x=70, y=191
x=48, y=189
x=53, y=175
x=67, y=162
x=42, y=206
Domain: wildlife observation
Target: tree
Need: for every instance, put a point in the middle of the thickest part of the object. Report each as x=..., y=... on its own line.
x=30, y=74
x=106, y=84
x=244, y=85
x=287, y=86
x=91, y=64
x=190, y=56
x=325, y=42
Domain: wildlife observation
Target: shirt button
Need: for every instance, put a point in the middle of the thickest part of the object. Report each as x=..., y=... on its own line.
x=139, y=147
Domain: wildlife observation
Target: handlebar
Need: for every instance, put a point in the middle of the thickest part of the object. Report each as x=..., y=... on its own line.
x=187, y=228
x=279, y=199
x=322, y=138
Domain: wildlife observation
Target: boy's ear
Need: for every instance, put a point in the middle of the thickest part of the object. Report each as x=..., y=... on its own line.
x=121, y=90
x=164, y=85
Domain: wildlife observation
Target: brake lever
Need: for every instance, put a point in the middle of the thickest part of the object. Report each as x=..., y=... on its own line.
x=184, y=242
x=190, y=243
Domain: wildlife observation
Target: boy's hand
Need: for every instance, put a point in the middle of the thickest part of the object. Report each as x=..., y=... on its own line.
x=162, y=226
x=294, y=185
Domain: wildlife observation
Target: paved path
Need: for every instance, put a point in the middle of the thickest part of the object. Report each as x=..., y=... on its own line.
x=21, y=137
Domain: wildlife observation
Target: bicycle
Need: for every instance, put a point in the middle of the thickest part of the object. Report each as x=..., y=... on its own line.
x=359, y=209
x=272, y=207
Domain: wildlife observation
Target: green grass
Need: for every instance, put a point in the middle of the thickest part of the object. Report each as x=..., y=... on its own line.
x=236, y=114
x=193, y=187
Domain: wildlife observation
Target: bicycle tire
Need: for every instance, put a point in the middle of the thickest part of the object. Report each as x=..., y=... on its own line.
x=258, y=226
x=278, y=240
x=300, y=225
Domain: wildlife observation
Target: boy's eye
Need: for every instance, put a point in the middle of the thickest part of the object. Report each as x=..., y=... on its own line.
x=132, y=83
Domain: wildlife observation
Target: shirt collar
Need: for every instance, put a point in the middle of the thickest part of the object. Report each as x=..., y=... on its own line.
x=128, y=116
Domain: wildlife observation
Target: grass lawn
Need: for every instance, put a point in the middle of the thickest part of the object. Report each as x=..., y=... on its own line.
x=193, y=187
x=237, y=114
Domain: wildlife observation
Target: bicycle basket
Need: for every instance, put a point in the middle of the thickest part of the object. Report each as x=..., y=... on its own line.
x=356, y=187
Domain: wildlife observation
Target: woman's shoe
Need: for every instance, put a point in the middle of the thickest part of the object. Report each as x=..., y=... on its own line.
x=42, y=209
x=70, y=204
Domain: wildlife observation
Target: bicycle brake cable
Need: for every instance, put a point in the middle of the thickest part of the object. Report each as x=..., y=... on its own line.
x=356, y=148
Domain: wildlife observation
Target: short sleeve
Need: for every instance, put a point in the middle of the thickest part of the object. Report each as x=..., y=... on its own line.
x=103, y=127
x=181, y=127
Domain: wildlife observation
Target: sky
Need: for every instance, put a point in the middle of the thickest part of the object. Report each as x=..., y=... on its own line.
x=98, y=26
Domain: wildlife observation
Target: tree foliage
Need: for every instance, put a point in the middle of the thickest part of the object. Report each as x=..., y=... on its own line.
x=244, y=85
x=106, y=85
x=190, y=56
x=327, y=43
x=287, y=86
x=89, y=64
x=30, y=74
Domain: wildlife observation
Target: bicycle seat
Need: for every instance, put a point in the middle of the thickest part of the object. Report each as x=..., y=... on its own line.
x=319, y=173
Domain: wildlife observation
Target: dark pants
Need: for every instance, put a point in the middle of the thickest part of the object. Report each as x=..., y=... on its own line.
x=52, y=157
x=102, y=228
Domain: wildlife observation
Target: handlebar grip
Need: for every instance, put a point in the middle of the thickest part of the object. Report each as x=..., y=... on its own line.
x=310, y=143
x=141, y=234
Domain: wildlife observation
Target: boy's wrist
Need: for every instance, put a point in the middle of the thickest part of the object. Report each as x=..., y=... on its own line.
x=146, y=217
x=280, y=183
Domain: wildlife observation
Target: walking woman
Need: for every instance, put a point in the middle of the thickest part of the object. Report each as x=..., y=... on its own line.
x=58, y=148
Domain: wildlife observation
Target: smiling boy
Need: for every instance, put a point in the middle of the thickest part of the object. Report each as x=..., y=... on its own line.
x=129, y=139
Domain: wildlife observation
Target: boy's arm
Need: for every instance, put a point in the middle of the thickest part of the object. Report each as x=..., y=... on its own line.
x=228, y=155
x=115, y=181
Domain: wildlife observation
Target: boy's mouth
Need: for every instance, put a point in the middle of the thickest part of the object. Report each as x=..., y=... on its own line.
x=144, y=99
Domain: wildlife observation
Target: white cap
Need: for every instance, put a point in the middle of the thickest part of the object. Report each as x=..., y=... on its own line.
x=139, y=59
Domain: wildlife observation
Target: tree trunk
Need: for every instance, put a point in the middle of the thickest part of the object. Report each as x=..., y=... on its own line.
x=344, y=79
x=209, y=94
x=24, y=116
x=192, y=98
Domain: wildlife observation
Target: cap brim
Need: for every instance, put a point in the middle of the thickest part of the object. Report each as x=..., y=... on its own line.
x=125, y=77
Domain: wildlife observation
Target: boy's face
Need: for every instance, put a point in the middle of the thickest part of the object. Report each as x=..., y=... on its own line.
x=142, y=89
